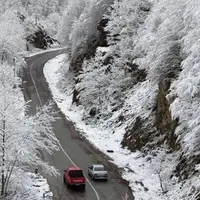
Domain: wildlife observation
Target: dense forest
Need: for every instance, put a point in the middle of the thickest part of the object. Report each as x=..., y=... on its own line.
x=132, y=69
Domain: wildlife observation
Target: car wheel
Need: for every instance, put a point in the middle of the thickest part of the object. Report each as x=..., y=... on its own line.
x=64, y=180
x=93, y=177
x=68, y=186
x=83, y=187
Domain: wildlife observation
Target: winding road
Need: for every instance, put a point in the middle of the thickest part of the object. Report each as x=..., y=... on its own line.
x=74, y=149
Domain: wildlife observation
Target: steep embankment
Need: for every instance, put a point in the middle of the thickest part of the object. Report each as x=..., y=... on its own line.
x=136, y=73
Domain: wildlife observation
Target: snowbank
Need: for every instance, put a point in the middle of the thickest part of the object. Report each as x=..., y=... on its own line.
x=39, y=187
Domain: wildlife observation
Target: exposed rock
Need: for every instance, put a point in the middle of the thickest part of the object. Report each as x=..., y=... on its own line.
x=164, y=122
x=141, y=134
x=146, y=7
x=76, y=63
x=137, y=135
x=108, y=60
x=40, y=39
x=93, y=112
x=103, y=34
x=174, y=60
x=121, y=118
x=139, y=75
x=75, y=98
x=186, y=167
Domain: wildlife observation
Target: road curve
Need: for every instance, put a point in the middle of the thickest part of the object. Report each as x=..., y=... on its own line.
x=74, y=149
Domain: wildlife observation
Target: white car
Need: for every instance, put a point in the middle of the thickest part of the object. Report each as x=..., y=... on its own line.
x=97, y=171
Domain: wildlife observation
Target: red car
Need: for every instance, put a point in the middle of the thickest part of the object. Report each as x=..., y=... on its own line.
x=73, y=176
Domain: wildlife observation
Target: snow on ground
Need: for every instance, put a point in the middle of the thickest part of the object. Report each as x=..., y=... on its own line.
x=149, y=175
x=41, y=187
x=35, y=186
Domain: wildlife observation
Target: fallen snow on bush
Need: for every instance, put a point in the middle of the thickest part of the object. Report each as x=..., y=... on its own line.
x=39, y=187
x=29, y=186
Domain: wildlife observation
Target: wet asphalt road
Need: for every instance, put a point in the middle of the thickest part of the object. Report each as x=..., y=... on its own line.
x=80, y=151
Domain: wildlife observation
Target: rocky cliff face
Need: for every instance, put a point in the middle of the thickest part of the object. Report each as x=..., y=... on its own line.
x=163, y=119
x=141, y=134
x=40, y=39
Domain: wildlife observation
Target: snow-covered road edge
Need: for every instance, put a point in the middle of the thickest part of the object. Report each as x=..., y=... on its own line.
x=33, y=184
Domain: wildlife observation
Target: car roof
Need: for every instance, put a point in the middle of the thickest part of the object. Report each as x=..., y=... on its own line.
x=74, y=168
x=97, y=165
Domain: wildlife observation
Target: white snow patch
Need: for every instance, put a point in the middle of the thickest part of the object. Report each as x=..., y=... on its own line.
x=103, y=49
x=38, y=186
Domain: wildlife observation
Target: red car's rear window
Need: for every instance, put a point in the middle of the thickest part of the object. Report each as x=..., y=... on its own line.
x=76, y=173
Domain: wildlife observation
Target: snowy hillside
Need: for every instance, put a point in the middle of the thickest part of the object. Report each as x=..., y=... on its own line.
x=130, y=81
x=135, y=77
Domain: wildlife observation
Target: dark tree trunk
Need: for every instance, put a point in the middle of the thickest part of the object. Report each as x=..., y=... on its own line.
x=3, y=159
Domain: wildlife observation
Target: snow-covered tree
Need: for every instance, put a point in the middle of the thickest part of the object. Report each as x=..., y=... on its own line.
x=125, y=20
x=186, y=87
x=21, y=136
x=79, y=25
x=106, y=79
x=102, y=86
x=41, y=9
x=12, y=37
x=51, y=24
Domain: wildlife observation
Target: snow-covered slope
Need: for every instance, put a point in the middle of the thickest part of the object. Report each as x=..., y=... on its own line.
x=140, y=90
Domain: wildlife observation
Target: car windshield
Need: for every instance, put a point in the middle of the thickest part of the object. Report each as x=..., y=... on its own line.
x=99, y=169
x=76, y=173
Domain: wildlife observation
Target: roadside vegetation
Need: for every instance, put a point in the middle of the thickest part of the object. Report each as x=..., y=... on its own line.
x=24, y=26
